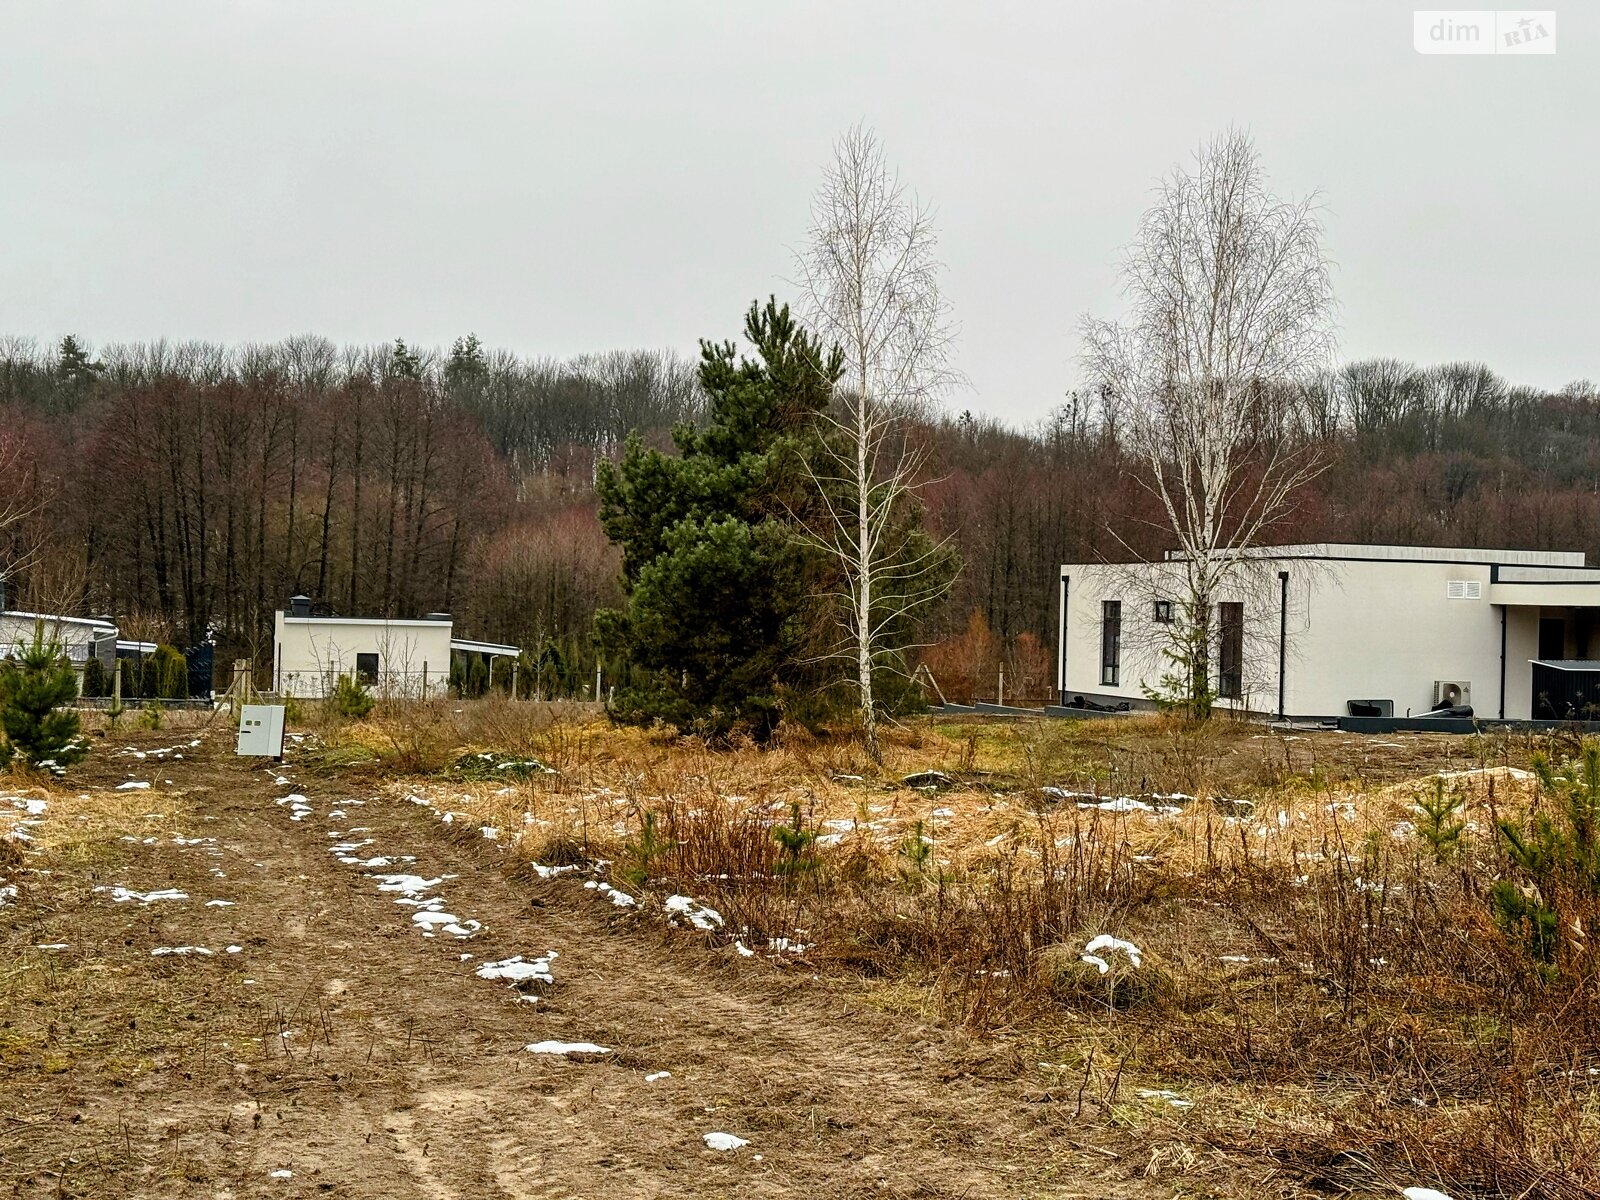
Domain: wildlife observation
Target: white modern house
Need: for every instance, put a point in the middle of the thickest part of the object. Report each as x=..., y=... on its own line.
x=80, y=638
x=1329, y=630
x=393, y=657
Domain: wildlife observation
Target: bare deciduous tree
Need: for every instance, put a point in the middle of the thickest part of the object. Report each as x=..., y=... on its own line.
x=22, y=497
x=1230, y=307
x=870, y=282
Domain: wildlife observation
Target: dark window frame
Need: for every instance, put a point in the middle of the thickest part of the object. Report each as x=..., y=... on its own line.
x=1230, y=650
x=1110, y=643
x=364, y=673
x=1162, y=613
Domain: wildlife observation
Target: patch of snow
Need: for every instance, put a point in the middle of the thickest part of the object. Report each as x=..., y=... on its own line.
x=51, y=946
x=121, y=895
x=280, y=1173
x=1127, y=804
x=407, y=885
x=133, y=785
x=161, y=950
x=431, y=920
x=699, y=915
x=618, y=897
x=1167, y=1097
x=517, y=970
x=565, y=1048
x=489, y=831
x=724, y=1141
x=219, y=903
x=655, y=1075
x=1423, y=1193
x=232, y=949
x=544, y=872
x=1105, y=942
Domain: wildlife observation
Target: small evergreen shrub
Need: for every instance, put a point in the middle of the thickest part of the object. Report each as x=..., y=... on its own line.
x=95, y=681
x=350, y=699
x=1552, y=889
x=171, y=672
x=34, y=688
x=794, y=845
x=1439, y=822
x=640, y=857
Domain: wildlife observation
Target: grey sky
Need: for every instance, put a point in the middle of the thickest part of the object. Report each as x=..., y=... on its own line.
x=586, y=176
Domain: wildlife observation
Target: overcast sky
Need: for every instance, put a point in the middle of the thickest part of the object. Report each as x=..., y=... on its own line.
x=571, y=177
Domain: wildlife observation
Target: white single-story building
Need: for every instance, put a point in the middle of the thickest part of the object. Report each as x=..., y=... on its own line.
x=80, y=638
x=393, y=657
x=1329, y=630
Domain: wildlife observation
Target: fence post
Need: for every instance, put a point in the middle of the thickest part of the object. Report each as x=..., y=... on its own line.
x=424, y=679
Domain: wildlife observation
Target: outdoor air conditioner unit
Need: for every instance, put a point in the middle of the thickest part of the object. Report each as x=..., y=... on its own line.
x=1451, y=692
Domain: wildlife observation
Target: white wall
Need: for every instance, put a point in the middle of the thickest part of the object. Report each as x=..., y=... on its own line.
x=310, y=653
x=1382, y=630
x=77, y=638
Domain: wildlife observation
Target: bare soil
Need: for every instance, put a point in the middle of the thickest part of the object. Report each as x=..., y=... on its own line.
x=340, y=1046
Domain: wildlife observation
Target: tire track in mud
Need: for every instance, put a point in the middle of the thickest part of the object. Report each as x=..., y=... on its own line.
x=388, y=1069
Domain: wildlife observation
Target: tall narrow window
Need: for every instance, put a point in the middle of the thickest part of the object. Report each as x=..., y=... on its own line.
x=1230, y=657
x=367, y=669
x=1110, y=642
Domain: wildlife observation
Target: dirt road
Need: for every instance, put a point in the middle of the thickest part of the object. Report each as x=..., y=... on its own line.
x=306, y=1020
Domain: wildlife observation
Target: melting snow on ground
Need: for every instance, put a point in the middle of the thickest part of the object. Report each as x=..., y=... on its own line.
x=565, y=1048
x=162, y=950
x=701, y=916
x=725, y=1141
x=1423, y=1193
x=518, y=970
x=1106, y=944
x=133, y=785
x=1127, y=804
x=620, y=898
x=121, y=895
x=1166, y=1097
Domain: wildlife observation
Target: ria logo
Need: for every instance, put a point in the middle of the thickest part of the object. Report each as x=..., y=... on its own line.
x=1483, y=31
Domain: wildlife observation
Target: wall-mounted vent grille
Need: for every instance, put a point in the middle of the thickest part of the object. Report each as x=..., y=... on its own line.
x=1464, y=589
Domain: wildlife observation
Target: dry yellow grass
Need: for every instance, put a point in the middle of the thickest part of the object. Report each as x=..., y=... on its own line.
x=1312, y=979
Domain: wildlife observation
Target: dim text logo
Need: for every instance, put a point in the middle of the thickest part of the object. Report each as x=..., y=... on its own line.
x=1483, y=31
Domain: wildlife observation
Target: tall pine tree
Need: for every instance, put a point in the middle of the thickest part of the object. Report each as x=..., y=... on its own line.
x=717, y=600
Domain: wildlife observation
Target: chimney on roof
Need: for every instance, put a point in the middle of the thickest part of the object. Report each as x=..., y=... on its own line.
x=299, y=606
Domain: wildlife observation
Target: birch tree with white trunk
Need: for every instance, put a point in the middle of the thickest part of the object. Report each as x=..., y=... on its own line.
x=1229, y=313
x=869, y=277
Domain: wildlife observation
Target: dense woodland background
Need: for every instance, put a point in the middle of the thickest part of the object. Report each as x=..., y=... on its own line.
x=189, y=489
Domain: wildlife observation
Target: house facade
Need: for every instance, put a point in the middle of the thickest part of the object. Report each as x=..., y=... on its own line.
x=406, y=659
x=80, y=638
x=1328, y=630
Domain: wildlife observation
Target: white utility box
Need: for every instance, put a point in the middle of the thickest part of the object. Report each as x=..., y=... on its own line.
x=261, y=729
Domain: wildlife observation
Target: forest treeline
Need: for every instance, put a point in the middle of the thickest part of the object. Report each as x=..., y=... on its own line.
x=188, y=489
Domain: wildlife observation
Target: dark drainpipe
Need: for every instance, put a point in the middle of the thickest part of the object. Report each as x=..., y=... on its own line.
x=1283, y=635
x=1061, y=689
x=1503, y=609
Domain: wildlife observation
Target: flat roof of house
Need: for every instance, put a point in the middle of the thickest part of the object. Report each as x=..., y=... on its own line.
x=408, y=621
x=483, y=647
x=1358, y=552
x=92, y=622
